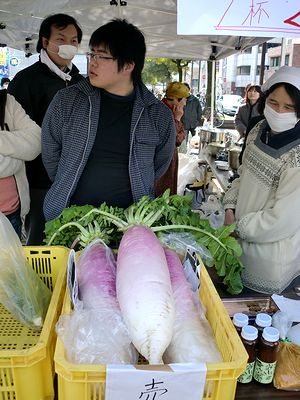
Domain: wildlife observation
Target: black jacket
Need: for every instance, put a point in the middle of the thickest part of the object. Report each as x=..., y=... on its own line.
x=34, y=88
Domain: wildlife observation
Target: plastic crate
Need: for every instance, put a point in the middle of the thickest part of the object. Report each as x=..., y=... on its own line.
x=87, y=382
x=26, y=356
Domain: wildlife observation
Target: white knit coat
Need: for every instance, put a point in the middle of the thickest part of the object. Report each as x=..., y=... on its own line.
x=21, y=143
x=266, y=199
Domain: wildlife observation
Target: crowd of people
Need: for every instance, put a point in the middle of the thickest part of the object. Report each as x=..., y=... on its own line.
x=70, y=140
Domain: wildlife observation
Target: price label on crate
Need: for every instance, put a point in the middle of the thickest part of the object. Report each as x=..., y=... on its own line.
x=155, y=382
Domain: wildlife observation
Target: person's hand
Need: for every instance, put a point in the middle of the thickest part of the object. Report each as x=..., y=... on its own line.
x=178, y=111
x=229, y=217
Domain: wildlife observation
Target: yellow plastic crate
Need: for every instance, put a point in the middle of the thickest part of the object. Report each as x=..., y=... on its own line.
x=87, y=382
x=26, y=356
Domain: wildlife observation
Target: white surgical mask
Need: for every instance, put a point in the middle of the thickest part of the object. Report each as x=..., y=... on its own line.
x=67, y=51
x=280, y=122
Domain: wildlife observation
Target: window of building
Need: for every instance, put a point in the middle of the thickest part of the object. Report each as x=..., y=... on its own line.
x=286, y=59
x=248, y=50
x=275, y=61
x=243, y=70
x=258, y=70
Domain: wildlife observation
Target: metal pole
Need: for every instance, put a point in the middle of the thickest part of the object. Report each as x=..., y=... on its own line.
x=212, y=100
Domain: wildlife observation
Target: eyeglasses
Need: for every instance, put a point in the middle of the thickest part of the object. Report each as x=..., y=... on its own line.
x=98, y=57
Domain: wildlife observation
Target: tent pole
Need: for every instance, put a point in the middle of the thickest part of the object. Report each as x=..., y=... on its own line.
x=212, y=99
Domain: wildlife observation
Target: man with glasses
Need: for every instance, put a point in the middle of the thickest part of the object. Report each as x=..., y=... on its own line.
x=34, y=87
x=108, y=138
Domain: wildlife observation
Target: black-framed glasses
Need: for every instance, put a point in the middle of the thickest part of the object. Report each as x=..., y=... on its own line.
x=98, y=57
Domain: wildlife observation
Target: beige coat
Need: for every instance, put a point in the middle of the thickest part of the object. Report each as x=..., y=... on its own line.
x=21, y=143
x=266, y=200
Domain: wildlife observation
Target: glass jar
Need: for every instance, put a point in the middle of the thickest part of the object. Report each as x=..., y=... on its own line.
x=249, y=336
x=239, y=320
x=262, y=320
x=265, y=363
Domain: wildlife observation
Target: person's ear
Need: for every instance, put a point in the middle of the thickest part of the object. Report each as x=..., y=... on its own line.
x=129, y=67
x=45, y=42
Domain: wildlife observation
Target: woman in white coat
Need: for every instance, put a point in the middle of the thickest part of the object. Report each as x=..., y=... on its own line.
x=264, y=201
x=20, y=141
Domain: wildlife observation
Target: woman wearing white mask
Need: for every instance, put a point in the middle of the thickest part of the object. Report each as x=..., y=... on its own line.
x=264, y=201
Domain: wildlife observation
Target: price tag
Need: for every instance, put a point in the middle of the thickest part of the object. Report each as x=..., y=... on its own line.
x=191, y=268
x=72, y=283
x=153, y=382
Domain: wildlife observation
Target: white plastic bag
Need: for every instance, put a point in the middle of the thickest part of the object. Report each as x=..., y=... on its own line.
x=22, y=292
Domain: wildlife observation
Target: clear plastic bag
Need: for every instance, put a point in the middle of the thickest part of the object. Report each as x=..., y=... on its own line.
x=22, y=292
x=181, y=241
x=95, y=333
x=287, y=375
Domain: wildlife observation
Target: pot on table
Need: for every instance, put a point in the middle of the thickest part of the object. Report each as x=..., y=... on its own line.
x=233, y=157
x=214, y=147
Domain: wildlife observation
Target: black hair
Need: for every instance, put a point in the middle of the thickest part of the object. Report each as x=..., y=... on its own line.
x=187, y=85
x=59, y=21
x=125, y=42
x=4, y=80
x=291, y=90
x=248, y=88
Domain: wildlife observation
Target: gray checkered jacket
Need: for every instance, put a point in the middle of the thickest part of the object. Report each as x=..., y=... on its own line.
x=68, y=134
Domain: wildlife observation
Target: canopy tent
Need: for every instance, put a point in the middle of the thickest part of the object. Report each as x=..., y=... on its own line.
x=20, y=21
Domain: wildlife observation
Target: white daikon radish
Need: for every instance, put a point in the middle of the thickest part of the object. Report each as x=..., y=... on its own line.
x=193, y=339
x=144, y=292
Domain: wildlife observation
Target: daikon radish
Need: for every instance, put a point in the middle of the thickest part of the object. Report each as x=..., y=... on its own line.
x=96, y=274
x=144, y=292
x=192, y=339
x=95, y=332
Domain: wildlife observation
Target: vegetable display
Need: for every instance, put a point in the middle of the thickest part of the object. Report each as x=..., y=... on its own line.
x=22, y=292
x=86, y=338
x=192, y=336
x=162, y=214
x=144, y=292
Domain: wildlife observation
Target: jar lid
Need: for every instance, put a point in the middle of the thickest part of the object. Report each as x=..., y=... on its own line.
x=270, y=334
x=240, y=319
x=263, y=320
x=249, y=332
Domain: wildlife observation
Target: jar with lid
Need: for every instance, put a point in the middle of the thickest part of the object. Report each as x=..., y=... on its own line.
x=262, y=320
x=249, y=336
x=239, y=320
x=267, y=355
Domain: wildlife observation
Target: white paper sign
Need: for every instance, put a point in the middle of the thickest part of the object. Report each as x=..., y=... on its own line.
x=260, y=18
x=156, y=382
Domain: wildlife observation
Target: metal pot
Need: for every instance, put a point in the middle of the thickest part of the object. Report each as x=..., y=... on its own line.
x=214, y=147
x=233, y=157
x=211, y=135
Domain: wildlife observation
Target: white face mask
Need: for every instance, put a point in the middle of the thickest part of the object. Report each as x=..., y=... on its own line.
x=67, y=51
x=280, y=122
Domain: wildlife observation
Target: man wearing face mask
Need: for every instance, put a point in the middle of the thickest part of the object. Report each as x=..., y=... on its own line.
x=263, y=202
x=34, y=88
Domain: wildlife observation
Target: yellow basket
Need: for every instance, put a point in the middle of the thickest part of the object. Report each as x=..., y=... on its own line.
x=26, y=356
x=87, y=382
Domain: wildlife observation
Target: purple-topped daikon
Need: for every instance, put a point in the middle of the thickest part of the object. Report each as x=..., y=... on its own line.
x=192, y=339
x=144, y=292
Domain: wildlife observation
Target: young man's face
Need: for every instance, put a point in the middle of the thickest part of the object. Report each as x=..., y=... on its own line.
x=58, y=36
x=104, y=73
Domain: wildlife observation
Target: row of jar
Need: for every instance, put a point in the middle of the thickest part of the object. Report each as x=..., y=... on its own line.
x=261, y=343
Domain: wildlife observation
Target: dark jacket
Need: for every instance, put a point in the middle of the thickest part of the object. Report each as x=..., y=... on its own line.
x=192, y=113
x=34, y=88
x=68, y=134
x=243, y=117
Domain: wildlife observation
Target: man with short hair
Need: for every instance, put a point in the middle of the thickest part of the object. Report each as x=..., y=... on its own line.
x=34, y=87
x=192, y=114
x=107, y=138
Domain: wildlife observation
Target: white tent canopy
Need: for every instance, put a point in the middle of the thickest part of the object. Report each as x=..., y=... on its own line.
x=20, y=21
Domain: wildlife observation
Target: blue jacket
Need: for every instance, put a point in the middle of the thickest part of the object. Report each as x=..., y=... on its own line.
x=68, y=134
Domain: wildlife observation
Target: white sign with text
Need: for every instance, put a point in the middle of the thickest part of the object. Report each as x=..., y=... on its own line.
x=155, y=382
x=260, y=18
